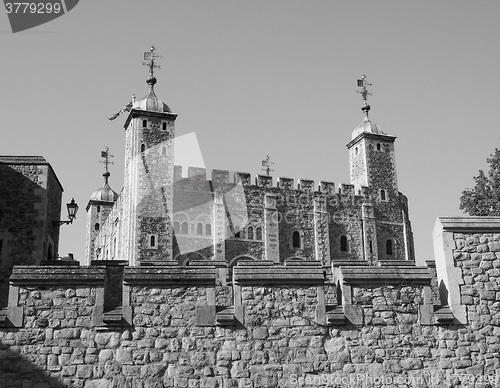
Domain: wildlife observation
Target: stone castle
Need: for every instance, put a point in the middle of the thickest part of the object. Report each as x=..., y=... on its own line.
x=222, y=282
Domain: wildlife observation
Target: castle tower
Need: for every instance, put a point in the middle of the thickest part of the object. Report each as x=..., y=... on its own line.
x=149, y=172
x=371, y=155
x=100, y=204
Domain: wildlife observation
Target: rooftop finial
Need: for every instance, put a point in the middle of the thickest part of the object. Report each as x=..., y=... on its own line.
x=151, y=56
x=362, y=83
x=106, y=155
x=266, y=163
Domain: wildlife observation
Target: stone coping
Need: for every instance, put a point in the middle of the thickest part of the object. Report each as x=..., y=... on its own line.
x=371, y=276
x=55, y=275
x=180, y=276
x=468, y=224
x=279, y=274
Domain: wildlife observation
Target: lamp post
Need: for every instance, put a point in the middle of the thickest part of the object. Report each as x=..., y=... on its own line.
x=72, y=210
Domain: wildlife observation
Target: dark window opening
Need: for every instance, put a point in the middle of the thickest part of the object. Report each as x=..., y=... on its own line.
x=199, y=228
x=389, y=248
x=296, y=243
x=164, y=126
x=250, y=233
x=237, y=232
x=208, y=229
x=184, y=227
x=143, y=147
x=49, y=252
x=382, y=195
x=344, y=245
x=371, y=248
x=258, y=233
x=1, y=245
x=144, y=123
x=98, y=208
x=378, y=146
x=96, y=226
x=152, y=241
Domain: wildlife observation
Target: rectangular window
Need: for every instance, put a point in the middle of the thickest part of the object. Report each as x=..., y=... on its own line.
x=1, y=245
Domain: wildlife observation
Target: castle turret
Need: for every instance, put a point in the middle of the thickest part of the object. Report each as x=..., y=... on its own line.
x=149, y=171
x=100, y=204
x=371, y=155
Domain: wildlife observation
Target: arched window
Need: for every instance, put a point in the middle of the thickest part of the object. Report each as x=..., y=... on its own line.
x=152, y=241
x=177, y=227
x=98, y=208
x=164, y=150
x=143, y=147
x=389, y=248
x=356, y=151
x=164, y=126
x=344, y=244
x=237, y=232
x=258, y=233
x=144, y=123
x=184, y=228
x=378, y=146
x=199, y=228
x=296, y=239
x=96, y=226
x=382, y=195
x=208, y=229
x=250, y=233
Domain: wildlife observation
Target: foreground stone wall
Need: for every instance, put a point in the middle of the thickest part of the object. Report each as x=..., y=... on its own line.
x=263, y=325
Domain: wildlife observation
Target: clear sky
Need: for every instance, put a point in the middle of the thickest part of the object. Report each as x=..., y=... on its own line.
x=257, y=78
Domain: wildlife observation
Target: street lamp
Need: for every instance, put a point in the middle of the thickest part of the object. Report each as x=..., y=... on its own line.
x=72, y=210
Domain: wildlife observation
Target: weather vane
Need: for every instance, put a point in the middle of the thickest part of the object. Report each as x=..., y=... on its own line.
x=267, y=164
x=106, y=155
x=151, y=56
x=362, y=83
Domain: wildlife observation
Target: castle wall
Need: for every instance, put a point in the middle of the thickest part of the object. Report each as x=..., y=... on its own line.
x=287, y=325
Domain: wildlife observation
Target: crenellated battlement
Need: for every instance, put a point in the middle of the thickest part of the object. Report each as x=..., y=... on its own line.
x=219, y=176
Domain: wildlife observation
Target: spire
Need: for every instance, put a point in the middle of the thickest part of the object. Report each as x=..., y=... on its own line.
x=106, y=155
x=151, y=56
x=362, y=83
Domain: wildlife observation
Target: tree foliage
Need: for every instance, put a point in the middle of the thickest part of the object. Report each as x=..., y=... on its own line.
x=484, y=198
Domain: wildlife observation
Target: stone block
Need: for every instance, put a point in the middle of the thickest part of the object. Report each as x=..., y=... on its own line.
x=354, y=314
x=205, y=315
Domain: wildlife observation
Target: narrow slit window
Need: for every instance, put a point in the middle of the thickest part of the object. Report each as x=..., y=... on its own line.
x=344, y=244
x=382, y=195
x=389, y=248
x=296, y=240
x=208, y=229
x=164, y=126
x=258, y=233
x=250, y=233
x=152, y=241
x=143, y=147
x=144, y=123
x=378, y=146
x=96, y=226
x=98, y=208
